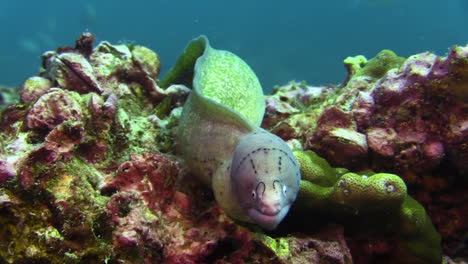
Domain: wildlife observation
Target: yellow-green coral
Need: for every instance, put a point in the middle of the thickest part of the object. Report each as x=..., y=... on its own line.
x=375, y=67
x=354, y=64
x=354, y=192
x=419, y=234
x=147, y=59
x=278, y=245
x=316, y=169
x=380, y=64
x=368, y=193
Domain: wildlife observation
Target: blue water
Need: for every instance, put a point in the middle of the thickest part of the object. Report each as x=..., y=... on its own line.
x=281, y=40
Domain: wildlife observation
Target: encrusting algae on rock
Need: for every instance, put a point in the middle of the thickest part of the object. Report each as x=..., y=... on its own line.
x=89, y=171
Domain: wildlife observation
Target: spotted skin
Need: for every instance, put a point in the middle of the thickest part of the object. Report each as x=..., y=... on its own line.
x=253, y=174
x=265, y=178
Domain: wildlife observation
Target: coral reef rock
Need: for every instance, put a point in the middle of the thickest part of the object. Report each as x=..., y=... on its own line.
x=403, y=116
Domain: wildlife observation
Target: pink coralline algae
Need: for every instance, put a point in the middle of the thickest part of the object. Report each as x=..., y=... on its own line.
x=411, y=119
x=418, y=114
x=154, y=220
x=339, y=140
x=52, y=109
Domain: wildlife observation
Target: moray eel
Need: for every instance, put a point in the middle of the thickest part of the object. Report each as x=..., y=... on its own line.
x=253, y=173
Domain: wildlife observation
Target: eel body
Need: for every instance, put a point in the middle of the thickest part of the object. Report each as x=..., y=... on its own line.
x=253, y=173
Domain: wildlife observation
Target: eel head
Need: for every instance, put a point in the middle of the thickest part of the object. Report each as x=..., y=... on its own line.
x=265, y=178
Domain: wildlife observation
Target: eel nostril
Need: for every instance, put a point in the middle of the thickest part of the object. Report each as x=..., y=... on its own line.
x=260, y=188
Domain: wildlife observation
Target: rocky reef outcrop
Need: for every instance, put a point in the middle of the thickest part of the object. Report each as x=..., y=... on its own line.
x=407, y=117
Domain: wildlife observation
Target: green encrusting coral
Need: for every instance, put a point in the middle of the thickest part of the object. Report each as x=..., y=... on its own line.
x=418, y=233
x=316, y=169
x=375, y=67
x=338, y=192
x=280, y=245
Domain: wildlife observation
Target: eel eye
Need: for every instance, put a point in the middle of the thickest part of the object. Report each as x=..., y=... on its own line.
x=254, y=194
x=285, y=189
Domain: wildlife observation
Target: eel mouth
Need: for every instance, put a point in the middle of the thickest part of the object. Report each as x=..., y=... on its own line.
x=267, y=221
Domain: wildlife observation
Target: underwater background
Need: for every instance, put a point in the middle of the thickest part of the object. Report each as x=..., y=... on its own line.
x=281, y=41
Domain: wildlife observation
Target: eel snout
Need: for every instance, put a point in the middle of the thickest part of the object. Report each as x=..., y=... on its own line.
x=270, y=206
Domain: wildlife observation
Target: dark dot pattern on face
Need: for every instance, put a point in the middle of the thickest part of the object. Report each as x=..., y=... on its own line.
x=266, y=151
x=253, y=166
x=279, y=163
